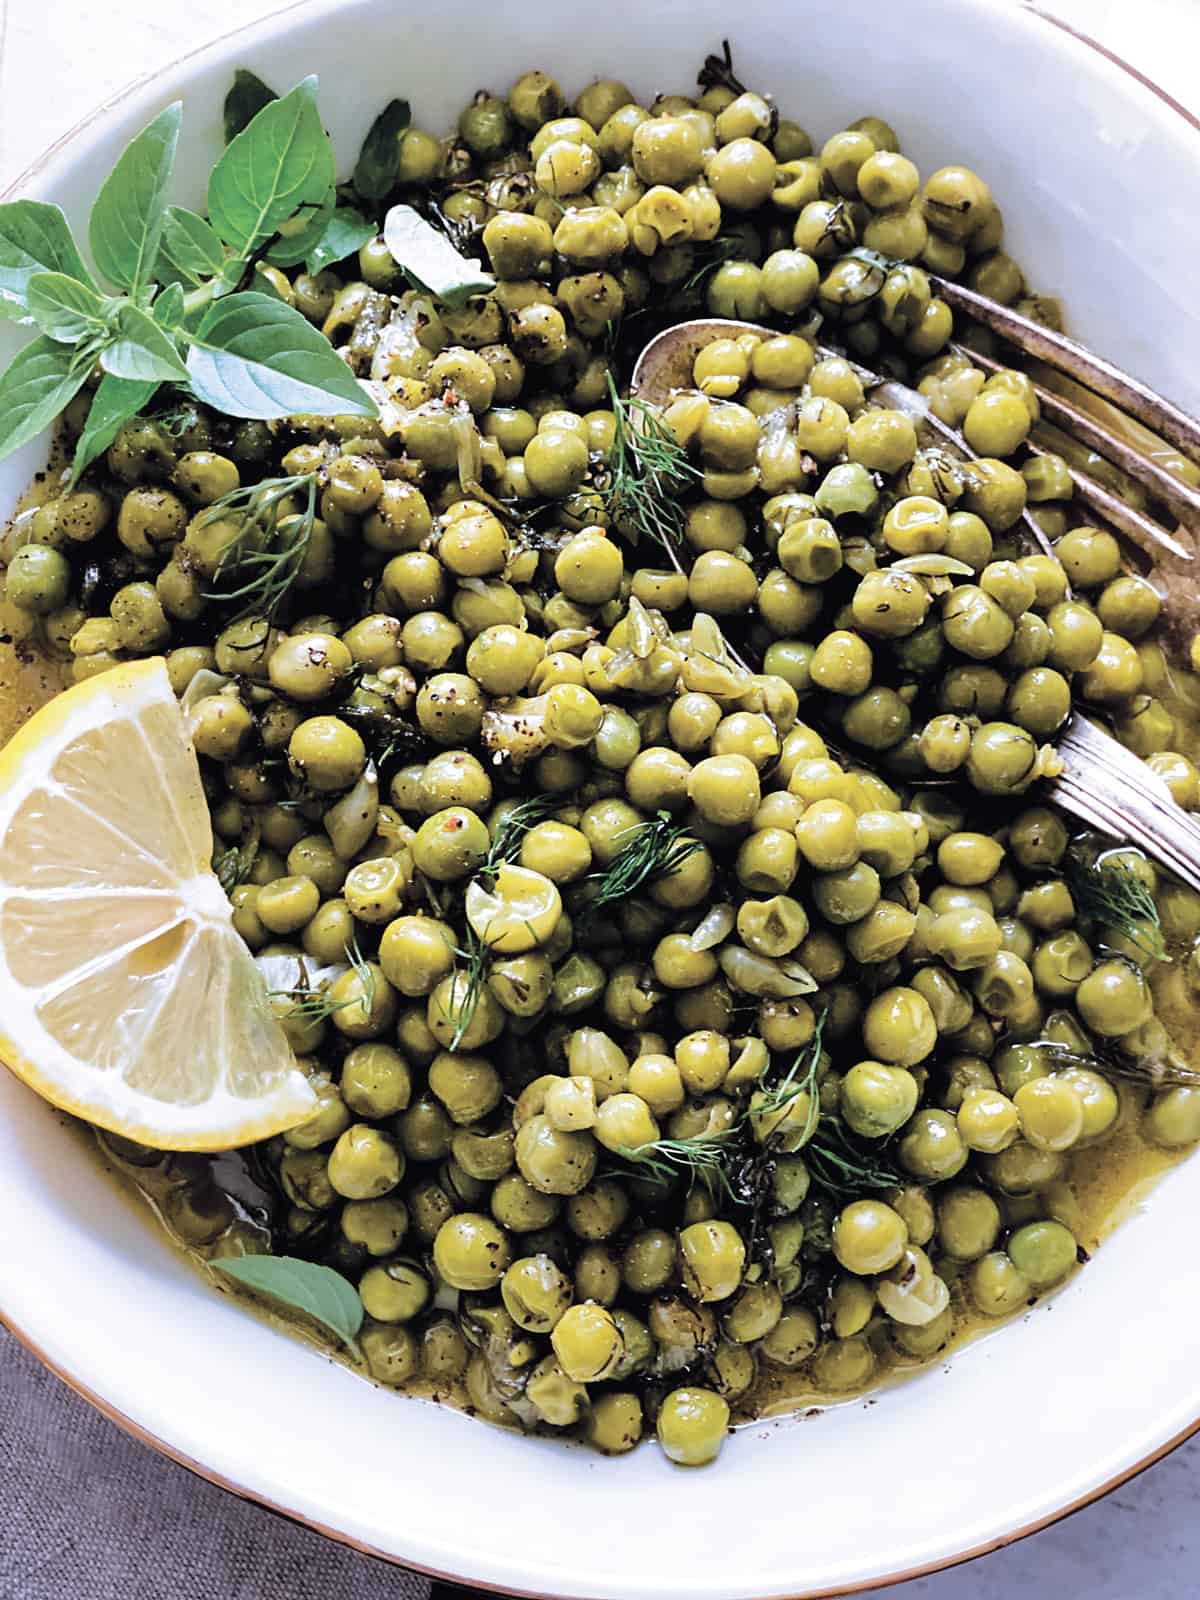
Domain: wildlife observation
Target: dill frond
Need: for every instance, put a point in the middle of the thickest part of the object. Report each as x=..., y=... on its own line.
x=648, y=469
x=703, y=1159
x=261, y=564
x=316, y=1005
x=800, y=1078
x=655, y=850
x=476, y=958
x=845, y=1166
x=1108, y=893
x=506, y=846
x=362, y=968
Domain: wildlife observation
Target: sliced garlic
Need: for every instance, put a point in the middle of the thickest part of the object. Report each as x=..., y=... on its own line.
x=715, y=927
x=763, y=976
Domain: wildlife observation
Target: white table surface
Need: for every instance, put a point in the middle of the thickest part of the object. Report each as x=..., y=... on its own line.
x=60, y=58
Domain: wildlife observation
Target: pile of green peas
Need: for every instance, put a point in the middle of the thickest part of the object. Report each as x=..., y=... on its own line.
x=839, y=684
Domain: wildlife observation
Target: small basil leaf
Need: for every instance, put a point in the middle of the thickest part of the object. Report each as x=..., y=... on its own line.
x=256, y=357
x=190, y=245
x=115, y=401
x=378, y=166
x=34, y=237
x=126, y=220
x=38, y=384
x=244, y=101
x=429, y=258
x=319, y=1292
x=302, y=233
x=168, y=309
x=230, y=275
x=63, y=307
x=345, y=231
x=281, y=162
x=141, y=349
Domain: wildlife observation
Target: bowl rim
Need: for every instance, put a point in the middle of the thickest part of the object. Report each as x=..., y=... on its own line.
x=17, y=188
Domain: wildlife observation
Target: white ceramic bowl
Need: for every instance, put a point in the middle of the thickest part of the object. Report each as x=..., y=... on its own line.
x=1097, y=176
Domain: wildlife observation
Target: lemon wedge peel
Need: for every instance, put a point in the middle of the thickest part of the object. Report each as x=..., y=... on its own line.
x=116, y=936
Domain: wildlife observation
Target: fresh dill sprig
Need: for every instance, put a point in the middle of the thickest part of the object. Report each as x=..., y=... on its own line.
x=363, y=970
x=655, y=850
x=801, y=1078
x=1108, y=893
x=1168, y=1070
x=843, y=1165
x=316, y=1005
x=725, y=247
x=266, y=557
x=476, y=958
x=648, y=469
x=513, y=826
x=704, y=1159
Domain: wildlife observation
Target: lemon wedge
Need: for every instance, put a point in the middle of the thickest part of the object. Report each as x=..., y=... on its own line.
x=129, y=999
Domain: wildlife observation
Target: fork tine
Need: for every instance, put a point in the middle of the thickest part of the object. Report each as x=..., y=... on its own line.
x=1182, y=499
x=1151, y=536
x=1107, y=785
x=915, y=405
x=1129, y=393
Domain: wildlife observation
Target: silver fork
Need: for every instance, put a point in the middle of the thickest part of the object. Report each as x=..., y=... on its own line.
x=1102, y=783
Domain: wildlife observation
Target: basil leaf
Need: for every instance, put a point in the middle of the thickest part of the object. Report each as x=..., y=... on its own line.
x=34, y=237
x=345, y=231
x=141, y=349
x=63, y=307
x=115, y=401
x=230, y=275
x=126, y=220
x=168, y=309
x=244, y=101
x=378, y=166
x=319, y=1292
x=278, y=164
x=37, y=385
x=190, y=245
x=302, y=233
x=256, y=357
x=429, y=258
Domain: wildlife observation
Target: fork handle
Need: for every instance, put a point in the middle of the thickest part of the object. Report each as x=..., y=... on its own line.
x=1129, y=393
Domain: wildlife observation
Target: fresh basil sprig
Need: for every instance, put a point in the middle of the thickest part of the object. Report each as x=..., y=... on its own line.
x=127, y=218
x=345, y=231
x=318, y=1292
x=34, y=237
x=179, y=313
x=278, y=168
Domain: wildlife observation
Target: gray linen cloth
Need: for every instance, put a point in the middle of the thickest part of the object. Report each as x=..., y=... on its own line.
x=87, y=1513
